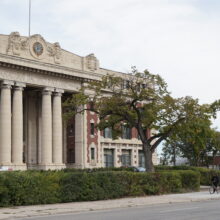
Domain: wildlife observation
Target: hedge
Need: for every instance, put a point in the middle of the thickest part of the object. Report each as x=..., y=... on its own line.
x=205, y=173
x=44, y=187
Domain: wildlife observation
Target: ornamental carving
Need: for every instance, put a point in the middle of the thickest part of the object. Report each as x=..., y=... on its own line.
x=15, y=44
x=37, y=46
x=92, y=62
x=55, y=52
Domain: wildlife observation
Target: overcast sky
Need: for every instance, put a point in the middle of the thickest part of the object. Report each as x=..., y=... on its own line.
x=178, y=39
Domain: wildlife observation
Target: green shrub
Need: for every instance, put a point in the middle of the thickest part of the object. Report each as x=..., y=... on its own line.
x=43, y=187
x=205, y=173
x=25, y=188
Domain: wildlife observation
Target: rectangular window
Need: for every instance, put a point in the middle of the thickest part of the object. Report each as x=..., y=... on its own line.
x=126, y=158
x=92, y=153
x=107, y=133
x=141, y=159
x=108, y=157
x=126, y=132
x=92, y=128
x=126, y=84
x=138, y=87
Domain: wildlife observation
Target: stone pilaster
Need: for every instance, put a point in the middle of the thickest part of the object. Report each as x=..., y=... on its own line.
x=17, y=125
x=57, y=128
x=46, y=129
x=5, y=123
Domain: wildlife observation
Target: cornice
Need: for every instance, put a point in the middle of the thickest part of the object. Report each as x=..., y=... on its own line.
x=47, y=69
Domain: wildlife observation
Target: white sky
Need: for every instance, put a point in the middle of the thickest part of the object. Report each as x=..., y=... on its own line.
x=178, y=39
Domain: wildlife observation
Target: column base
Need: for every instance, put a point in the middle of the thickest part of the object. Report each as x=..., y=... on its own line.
x=50, y=166
x=75, y=166
x=11, y=167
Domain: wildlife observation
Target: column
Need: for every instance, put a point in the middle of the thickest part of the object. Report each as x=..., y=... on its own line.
x=5, y=123
x=80, y=139
x=57, y=128
x=46, y=130
x=17, y=124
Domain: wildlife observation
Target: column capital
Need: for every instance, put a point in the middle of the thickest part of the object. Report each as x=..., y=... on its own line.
x=47, y=90
x=58, y=92
x=20, y=84
x=7, y=84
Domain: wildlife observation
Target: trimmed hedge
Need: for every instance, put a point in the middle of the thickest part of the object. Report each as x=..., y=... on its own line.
x=206, y=174
x=44, y=187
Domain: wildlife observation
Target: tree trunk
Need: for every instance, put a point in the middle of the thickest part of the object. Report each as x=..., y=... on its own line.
x=148, y=158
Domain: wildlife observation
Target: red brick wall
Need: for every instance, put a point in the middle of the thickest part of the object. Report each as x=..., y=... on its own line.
x=134, y=133
x=90, y=138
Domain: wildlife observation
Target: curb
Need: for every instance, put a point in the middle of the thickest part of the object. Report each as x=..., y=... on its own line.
x=66, y=208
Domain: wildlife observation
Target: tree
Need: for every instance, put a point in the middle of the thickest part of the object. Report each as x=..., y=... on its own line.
x=139, y=100
x=170, y=152
x=212, y=148
x=194, y=140
x=191, y=139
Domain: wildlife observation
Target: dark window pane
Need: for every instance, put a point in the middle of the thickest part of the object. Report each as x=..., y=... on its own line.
x=92, y=127
x=92, y=153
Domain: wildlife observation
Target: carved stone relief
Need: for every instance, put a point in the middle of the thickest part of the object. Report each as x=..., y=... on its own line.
x=55, y=51
x=37, y=46
x=92, y=62
x=15, y=44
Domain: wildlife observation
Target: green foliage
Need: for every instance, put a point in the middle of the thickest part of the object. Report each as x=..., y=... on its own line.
x=205, y=174
x=28, y=188
x=140, y=100
x=195, y=140
x=36, y=187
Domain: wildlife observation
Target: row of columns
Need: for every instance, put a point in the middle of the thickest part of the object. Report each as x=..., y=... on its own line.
x=11, y=126
x=51, y=146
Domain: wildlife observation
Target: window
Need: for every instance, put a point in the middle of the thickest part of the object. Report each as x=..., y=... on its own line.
x=138, y=87
x=141, y=159
x=92, y=153
x=126, y=158
x=126, y=84
x=108, y=157
x=92, y=128
x=126, y=132
x=107, y=133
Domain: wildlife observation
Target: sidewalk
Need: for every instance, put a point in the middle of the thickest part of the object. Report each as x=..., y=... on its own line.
x=40, y=210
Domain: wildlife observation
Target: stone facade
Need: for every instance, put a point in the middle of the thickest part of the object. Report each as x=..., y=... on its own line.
x=35, y=78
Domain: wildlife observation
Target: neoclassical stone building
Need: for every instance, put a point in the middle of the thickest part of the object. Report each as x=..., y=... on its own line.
x=35, y=77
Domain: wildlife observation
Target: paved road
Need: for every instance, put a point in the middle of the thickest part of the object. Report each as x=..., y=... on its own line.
x=88, y=208
x=176, y=211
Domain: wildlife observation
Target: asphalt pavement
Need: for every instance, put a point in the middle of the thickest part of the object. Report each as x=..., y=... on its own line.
x=202, y=210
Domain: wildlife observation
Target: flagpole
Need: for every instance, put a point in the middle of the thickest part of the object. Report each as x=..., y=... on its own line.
x=29, y=29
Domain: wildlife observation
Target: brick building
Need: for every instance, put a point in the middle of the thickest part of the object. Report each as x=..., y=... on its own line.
x=35, y=77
